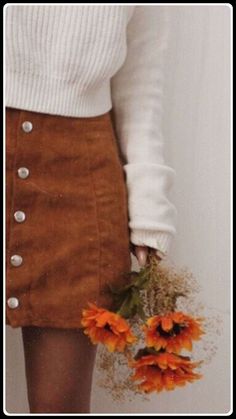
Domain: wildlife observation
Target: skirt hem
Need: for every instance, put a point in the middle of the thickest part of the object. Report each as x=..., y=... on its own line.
x=42, y=323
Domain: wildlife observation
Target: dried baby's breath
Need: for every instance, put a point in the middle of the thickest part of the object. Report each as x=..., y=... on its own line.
x=114, y=376
x=166, y=286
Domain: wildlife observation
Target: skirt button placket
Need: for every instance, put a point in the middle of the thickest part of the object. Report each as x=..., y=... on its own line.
x=19, y=216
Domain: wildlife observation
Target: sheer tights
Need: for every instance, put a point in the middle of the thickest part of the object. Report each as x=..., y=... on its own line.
x=59, y=365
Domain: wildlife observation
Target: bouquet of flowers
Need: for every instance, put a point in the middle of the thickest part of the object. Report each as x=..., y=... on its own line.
x=145, y=309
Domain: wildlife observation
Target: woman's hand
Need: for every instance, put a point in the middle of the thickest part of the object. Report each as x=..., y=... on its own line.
x=141, y=253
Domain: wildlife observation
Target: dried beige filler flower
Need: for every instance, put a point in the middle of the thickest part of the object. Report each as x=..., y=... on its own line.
x=166, y=285
x=114, y=377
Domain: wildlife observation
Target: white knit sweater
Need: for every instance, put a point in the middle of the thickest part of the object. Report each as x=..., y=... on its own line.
x=83, y=60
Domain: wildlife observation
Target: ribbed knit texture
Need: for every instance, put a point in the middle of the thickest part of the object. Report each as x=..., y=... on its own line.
x=82, y=61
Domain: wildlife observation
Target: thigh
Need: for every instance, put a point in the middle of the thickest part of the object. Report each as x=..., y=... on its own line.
x=59, y=365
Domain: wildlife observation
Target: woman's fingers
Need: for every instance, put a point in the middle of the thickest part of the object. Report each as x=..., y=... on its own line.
x=141, y=254
x=153, y=252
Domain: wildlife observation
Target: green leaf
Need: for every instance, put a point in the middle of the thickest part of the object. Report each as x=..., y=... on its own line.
x=140, y=312
x=125, y=309
x=127, y=298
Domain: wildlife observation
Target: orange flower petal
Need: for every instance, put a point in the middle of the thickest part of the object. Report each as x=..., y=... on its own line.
x=166, y=323
x=106, y=327
x=179, y=331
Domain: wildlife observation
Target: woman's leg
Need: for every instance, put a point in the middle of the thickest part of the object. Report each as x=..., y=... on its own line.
x=59, y=366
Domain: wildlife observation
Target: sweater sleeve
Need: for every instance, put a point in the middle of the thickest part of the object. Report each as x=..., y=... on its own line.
x=137, y=91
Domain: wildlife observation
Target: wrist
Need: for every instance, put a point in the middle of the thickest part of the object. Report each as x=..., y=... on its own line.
x=158, y=240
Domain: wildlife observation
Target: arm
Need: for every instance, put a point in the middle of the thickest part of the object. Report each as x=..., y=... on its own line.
x=137, y=90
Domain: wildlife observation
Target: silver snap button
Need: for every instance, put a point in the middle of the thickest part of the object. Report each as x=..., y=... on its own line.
x=27, y=126
x=23, y=172
x=13, y=302
x=16, y=260
x=19, y=216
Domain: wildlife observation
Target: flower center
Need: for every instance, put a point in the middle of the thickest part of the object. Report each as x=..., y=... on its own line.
x=154, y=367
x=162, y=332
x=107, y=327
x=176, y=330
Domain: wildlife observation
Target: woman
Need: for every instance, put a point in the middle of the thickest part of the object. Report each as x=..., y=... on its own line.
x=86, y=179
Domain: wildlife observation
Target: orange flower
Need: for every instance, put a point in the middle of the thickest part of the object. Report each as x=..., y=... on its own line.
x=106, y=327
x=163, y=371
x=172, y=332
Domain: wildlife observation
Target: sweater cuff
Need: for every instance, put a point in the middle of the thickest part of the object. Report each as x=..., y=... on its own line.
x=158, y=240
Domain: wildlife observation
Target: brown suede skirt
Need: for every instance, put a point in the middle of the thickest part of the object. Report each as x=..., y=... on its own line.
x=67, y=234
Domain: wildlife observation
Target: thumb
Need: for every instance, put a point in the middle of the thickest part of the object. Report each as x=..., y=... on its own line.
x=141, y=254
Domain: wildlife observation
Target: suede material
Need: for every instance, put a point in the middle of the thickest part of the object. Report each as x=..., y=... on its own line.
x=75, y=238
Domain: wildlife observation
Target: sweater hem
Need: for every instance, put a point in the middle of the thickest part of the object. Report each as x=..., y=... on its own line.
x=54, y=96
x=158, y=240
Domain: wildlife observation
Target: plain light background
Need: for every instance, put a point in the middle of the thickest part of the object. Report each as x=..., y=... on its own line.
x=196, y=125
